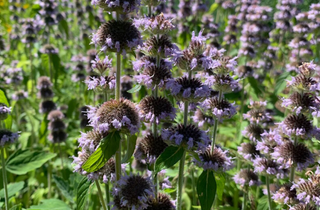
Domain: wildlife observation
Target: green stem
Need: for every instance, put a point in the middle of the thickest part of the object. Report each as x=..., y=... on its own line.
x=49, y=180
x=107, y=194
x=245, y=198
x=155, y=182
x=269, y=195
x=194, y=192
x=118, y=76
x=60, y=153
x=100, y=195
x=5, y=181
x=180, y=181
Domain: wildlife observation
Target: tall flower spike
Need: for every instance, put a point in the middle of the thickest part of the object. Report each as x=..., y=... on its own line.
x=115, y=115
x=188, y=136
x=132, y=192
x=151, y=108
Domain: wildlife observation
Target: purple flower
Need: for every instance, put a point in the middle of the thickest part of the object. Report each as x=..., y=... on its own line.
x=268, y=166
x=7, y=137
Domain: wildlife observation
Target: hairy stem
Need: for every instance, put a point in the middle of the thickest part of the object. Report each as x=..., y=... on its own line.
x=5, y=181
x=100, y=195
x=180, y=181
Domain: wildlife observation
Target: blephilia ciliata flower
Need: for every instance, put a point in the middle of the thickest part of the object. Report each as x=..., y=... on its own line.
x=7, y=137
x=297, y=125
x=257, y=112
x=285, y=195
x=117, y=36
x=301, y=206
x=202, y=119
x=115, y=115
x=152, y=109
x=216, y=159
x=289, y=154
x=189, y=136
x=120, y=6
x=161, y=46
x=190, y=90
x=132, y=192
x=158, y=24
x=101, y=83
x=269, y=167
x=4, y=111
x=246, y=177
x=219, y=109
x=253, y=132
x=163, y=202
x=248, y=151
x=19, y=95
x=149, y=148
x=269, y=140
x=308, y=190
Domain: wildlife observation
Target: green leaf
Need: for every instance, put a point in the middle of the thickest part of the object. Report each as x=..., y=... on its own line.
x=220, y=180
x=255, y=85
x=4, y=100
x=63, y=187
x=16, y=207
x=51, y=204
x=263, y=203
x=131, y=147
x=72, y=105
x=186, y=201
x=135, y=89
x=213, y=7
x=108, y=147
x=45, y=61
x=170, y=156
x=23, y=161
x=82, y=192
x=63, y=24
x=281, y=82
x=206, y=189
x=13, y=188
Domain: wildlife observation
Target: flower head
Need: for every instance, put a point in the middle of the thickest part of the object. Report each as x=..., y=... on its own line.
x=268, y=166
x=4, y=111
x=202, y=119
x=285, y=195
x=156, y=109
x=188, y=136
x=296, y=125
x=115, y=115
x=216, y=159
x=117, y=36
x=246, y=177
x=253, y=132
x=163, y=202
x=149, y=148
x=120, y=6
x=7, y=137
x=132, y=192
x=160, y=46
x=47, y=106
x=220, y=109
x=248, y=151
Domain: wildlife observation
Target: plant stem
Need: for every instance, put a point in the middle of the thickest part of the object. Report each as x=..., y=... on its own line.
x=194, y=192
x=107, y=194
x=180, y=181
x=245, y=198
x=269, y=195
x=215, y=128
x=155, y=182
x=5, y=181
x=49, y=180
x=60, y=152
x=100, y=195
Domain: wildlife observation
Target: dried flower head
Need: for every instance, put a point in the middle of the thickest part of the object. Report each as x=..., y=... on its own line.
x=246, y=177
x=149, y=148
x=7, y=137
x=117, y=36
x=132, y=192
x=285, y=195
x=289, y=154
x=191, y=90
x=216, y=159
x=115, y=115
x=188, y=136
x=45, y=93
x=153, y=109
